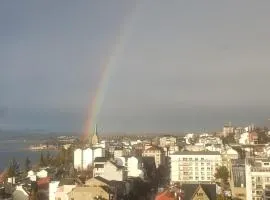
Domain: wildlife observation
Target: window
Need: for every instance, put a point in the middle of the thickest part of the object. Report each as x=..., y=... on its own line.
x=190, y=159
x=202, y=168
x=200, y=194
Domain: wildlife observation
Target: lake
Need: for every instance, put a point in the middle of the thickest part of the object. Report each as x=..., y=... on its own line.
x=18, y=149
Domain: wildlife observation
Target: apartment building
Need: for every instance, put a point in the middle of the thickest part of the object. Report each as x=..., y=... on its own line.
x=157, y=153
x=258, y=179
x=194, y=166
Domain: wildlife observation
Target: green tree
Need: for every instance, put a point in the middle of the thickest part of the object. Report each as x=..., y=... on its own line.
x=42, y=161
x=222, y=173
x=27, y=165
x=13, y=168
x=48, y=158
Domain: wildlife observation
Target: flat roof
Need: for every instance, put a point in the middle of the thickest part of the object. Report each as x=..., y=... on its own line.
x=197, y=153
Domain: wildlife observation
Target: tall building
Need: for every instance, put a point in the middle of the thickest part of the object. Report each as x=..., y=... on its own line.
x=257, y=179
x=227, y=129
x=194, y=166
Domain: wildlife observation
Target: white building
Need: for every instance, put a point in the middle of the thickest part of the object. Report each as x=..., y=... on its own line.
x=110, y=171
x=78, y=159
x=62, y=192
x=53, y=186
x=134, y=167
x=244, y=138
x=42, y=173
x=87, y=158
x=167, y=141
x=194, y=167
x=119, y=152
x=189, y=137
x=231, y=154
x=257, y=179
x=84, y=158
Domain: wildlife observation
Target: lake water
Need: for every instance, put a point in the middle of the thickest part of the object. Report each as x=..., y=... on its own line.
x=18, y=149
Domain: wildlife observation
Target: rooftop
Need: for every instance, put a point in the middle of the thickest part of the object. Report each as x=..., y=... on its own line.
x=197, y=153
x=101, y=159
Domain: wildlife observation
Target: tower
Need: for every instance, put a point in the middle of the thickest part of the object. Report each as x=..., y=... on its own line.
x=94, y=139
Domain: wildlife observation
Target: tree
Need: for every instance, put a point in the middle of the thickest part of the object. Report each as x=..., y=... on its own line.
x=42, y=162
x=27, y=166
x=13, y=168
x=222, y=173
x=48, y=158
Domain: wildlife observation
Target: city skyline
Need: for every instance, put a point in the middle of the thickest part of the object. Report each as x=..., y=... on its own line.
x=183, y=66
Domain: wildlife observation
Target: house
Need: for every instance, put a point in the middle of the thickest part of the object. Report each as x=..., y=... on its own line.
x=110, y=171
x=253, y=138
x=89, y=193
x=53, y=186
x=117, y=188
x=62, y=192
x=99, y=163
x=134, y=166
x=199, y=191
x=42, y=173
x=232, y=154
x=167, y=141
x=20, y=193
x=157, y=153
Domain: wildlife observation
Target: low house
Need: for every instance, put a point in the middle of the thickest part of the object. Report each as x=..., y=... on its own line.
x=42, y=173
x=89, y=193
x=118, y=188
x=99, y=163
x=20, y=193
x=62, y=192
x=232, y=154
x=110, y=171
x=199, y=191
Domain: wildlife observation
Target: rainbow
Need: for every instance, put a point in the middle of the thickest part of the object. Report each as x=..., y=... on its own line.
x=108, y=69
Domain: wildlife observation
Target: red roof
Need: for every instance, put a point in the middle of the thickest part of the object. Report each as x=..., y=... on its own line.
x=166, y=195
x=43, y=183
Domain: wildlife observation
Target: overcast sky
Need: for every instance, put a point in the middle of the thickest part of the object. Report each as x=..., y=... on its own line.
x=185, y=65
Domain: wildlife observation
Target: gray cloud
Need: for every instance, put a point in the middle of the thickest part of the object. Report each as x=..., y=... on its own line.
x=183, y=62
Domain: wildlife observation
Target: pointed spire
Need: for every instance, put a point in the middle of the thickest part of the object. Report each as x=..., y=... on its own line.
x=96, y=129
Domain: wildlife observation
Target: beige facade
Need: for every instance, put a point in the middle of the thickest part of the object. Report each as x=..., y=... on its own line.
x=88, y=193
x=157, y=153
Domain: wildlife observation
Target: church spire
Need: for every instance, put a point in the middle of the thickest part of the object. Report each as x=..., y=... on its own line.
x=94, y=139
